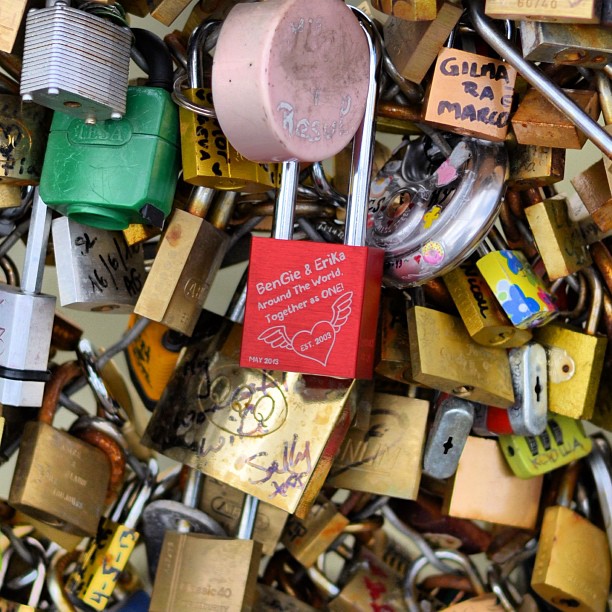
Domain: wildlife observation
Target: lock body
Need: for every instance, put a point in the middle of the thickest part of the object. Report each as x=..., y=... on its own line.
x=212, y=573
x=190, y=253
x=535, y=166
x=559, y=240
x=413, y=46
x=520, y=292
x=561, y=442
x=484, y=318
x=61, y=45
x=470, y=94
x=593, y=187
x=575, y=397
x=22, y=140
x=27, y=324
x=115, y=173
x=562, y=11
x=445, y=357
x=96, y=270
x=313, y=308
x=576, y=45
x=572, y=565
x=411, y=10
x=537, y=121
x=11, y=17
x=391, y=443
x=209, y=160
x=60, y=479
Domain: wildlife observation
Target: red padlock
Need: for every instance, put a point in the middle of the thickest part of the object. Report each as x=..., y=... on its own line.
x=313, y=307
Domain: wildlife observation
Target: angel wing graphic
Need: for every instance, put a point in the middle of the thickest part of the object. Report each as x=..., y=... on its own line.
x=277, y=336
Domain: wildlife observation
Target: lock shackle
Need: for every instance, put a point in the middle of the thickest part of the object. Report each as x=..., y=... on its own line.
x=597, y=296
x=61, y=377
x=157, y=56
x=9, y=270
x=538, y=80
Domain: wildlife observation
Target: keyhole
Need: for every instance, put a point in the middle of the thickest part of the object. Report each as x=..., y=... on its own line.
x=448, y=445
x=538, y=388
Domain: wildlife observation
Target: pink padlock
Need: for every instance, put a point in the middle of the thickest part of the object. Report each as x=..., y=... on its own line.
x=290, y=79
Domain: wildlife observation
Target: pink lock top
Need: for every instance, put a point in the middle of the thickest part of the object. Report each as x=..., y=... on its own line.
x=290, y=79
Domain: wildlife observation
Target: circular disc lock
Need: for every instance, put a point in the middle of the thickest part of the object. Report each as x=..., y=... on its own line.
x=290, y=79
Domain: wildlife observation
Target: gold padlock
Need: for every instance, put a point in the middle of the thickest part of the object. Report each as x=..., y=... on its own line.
x=411, y=10
x=593, y=187
x=11, y=18
x=559, y=11
x=534, y=166
x=58, y=478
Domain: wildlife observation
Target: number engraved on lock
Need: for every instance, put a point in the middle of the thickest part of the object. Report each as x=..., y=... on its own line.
x=242, y=402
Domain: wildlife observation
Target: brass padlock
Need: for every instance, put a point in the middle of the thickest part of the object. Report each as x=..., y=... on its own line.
x=559, y=11
x=572, y=566
x=537, y=121
x=414, y=45
x=574, y=395
x=593, y=187
x=11, y=18
x=393, y=443
x=534, y=166
x=411, y=10
x=445, y=357
x=482, y=470
x=23, y=139
x=558, y=239
x=59, y=479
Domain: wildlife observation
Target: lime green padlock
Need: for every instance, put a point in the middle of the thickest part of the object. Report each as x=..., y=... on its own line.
x=563, y=441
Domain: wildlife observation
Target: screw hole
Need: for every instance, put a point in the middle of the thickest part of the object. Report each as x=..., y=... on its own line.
x=511, y=451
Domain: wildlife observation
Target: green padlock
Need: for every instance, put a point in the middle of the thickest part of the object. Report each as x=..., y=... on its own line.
x=114, y=173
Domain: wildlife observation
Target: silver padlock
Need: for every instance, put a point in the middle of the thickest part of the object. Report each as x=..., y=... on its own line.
x=447, y=214
x=447, y=437
x=75, y=62
x=97, y=270
x=26, y=320
x=528, y=365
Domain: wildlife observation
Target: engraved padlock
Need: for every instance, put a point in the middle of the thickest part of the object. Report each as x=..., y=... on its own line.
x=264, y=110
x=312, y=307
x=61, y=45
x=58, y=478
x=428, y=221
x=209, y=160
x=96, y=270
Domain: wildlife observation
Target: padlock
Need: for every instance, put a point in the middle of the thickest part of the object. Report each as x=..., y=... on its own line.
x=393, y=442
x=593, y=187
x=577, y=45
x=209, y=160
x=213, y=571
x=470, y=94
x=26, y=321
x=273, y=600
x=410, y=10
x=447, y=437
x=575, y=394
x=164, y=515
x=22, y=140
x=61, y=45
x=537, y=121
x=167, y=11
x=137, y=233
x=335, y=332
x=98, y=570
x=520, y=292
x=413, y=46
x=563, y=441
x=599, y=461
x=308, y=538
x=10, y=195
x=441, y=216
x=205, y=10
x=534, y=166
x=96, y=270
x=310, y=118
x=90, y=170
x=444, y=357
x=151, y=359
x=563, y=11
x=484, y=318
x=58, y=478
x=572, y=566
x=483, y=469
x=223, y=503
x=190, y=254
x=558, y=239
x=260, y=431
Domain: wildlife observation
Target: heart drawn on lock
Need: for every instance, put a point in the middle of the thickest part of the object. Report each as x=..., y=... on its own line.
x=318, y=342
